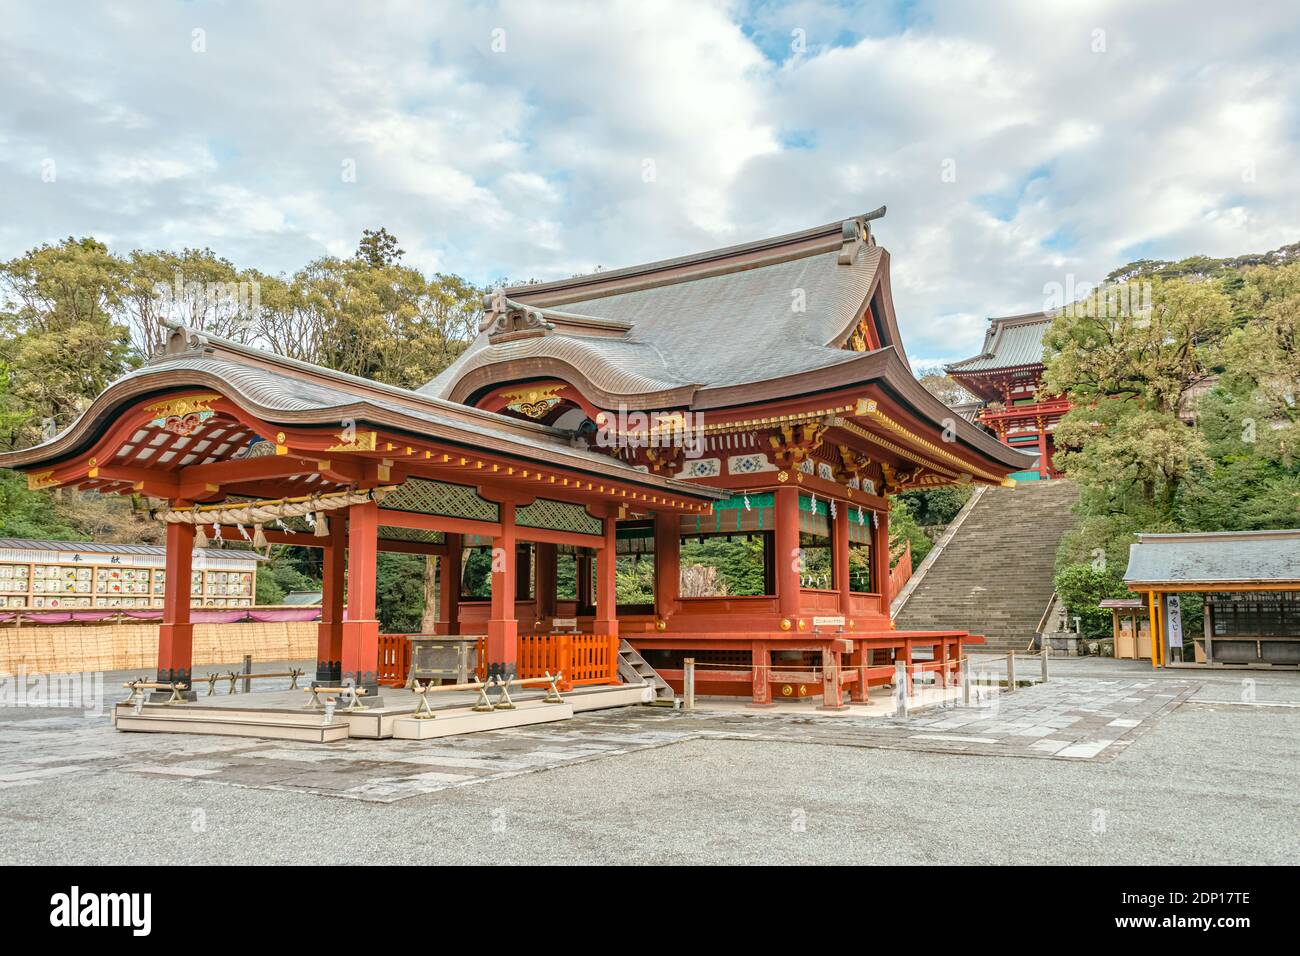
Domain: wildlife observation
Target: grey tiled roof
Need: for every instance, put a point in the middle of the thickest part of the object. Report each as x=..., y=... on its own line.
x=1009, y=342
x=1226, y=557
x=279, y=392
x=726, y=329
x=93, y=547
x=287, y=391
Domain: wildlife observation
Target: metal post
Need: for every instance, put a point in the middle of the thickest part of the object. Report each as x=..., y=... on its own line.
x=248, y=669
x=900, y=689
x=688, y=684
x=1011, y=673
x=1043, y=651
x=965, y=681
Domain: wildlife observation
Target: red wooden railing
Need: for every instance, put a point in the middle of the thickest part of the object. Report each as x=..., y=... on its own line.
x=900, y=573
x=582, y=659
x=394, y=659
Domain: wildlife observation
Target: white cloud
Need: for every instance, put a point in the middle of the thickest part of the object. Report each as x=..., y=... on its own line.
x=1178, y=138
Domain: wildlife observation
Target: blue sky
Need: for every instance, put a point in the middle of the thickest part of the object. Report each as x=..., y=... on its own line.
x=1016, y=144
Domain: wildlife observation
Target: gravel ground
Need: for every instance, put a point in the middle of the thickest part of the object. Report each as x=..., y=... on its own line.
x=1208, y=784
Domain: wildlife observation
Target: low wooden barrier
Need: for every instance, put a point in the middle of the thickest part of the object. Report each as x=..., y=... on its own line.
x=235, y=677
x=484, y=704
x=138, y=688
x=331, y=695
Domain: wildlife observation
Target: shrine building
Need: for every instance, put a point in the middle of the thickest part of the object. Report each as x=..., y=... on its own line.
x=1005, y=379
x=693, y=456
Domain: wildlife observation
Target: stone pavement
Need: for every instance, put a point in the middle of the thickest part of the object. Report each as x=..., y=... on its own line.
x=1066, y=719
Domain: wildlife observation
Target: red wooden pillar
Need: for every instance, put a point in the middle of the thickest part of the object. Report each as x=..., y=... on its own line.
x=668, y=564
x=880, y=557
x=176, y=633
x=840, y=557
x=503, y=628
x=1043, y=471
x=787, y=553
x=544, y=582
x=329, y=633
x=761, y=662
x=361, y=629
x=449, y=572
x=606, y=591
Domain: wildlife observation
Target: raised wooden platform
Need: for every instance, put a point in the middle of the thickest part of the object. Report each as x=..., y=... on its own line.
x=280, y=715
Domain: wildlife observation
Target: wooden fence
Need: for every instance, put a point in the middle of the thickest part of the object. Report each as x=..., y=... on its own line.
x=58, y=649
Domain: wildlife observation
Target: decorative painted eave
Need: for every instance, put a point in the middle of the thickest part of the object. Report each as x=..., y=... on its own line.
x=886, y=368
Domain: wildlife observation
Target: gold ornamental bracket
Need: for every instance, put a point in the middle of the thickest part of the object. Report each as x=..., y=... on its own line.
x=36, y=480
x=793, y=444
x=352, y=440
x=181, y=406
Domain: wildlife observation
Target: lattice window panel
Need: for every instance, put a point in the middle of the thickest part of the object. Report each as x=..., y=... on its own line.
x=440, y=498
x=411, y=534
x=557, y=516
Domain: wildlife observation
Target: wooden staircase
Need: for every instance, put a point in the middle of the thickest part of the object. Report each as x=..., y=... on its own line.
x=994, y=577
x=633, y=669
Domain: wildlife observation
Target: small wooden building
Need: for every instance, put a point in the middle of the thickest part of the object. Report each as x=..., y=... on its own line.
x=1129, y=628
x=1251, y=583
x=83, y=575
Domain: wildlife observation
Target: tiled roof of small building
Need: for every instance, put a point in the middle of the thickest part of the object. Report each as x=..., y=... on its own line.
x=1223, y=557
x=1013, y=341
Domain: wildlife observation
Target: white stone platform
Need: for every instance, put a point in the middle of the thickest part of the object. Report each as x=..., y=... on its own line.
x=282, y=715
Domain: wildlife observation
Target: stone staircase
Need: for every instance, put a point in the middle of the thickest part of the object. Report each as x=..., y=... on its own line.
x=995, y=575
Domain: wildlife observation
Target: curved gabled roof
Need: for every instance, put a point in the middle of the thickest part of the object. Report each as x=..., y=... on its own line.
x=658, y=333
x=283, y=391
x=1013, y=341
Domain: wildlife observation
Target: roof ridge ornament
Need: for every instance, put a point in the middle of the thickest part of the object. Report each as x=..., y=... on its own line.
x=181, y=338
x=856, y=233
x=507, y=320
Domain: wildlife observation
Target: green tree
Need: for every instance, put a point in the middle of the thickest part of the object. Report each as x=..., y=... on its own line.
x=59, y=343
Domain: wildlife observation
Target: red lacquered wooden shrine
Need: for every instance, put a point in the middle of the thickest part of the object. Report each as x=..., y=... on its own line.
x=758, y=393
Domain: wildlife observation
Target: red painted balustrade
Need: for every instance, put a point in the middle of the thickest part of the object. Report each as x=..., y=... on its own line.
x=900, y=573
x=582, y=659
